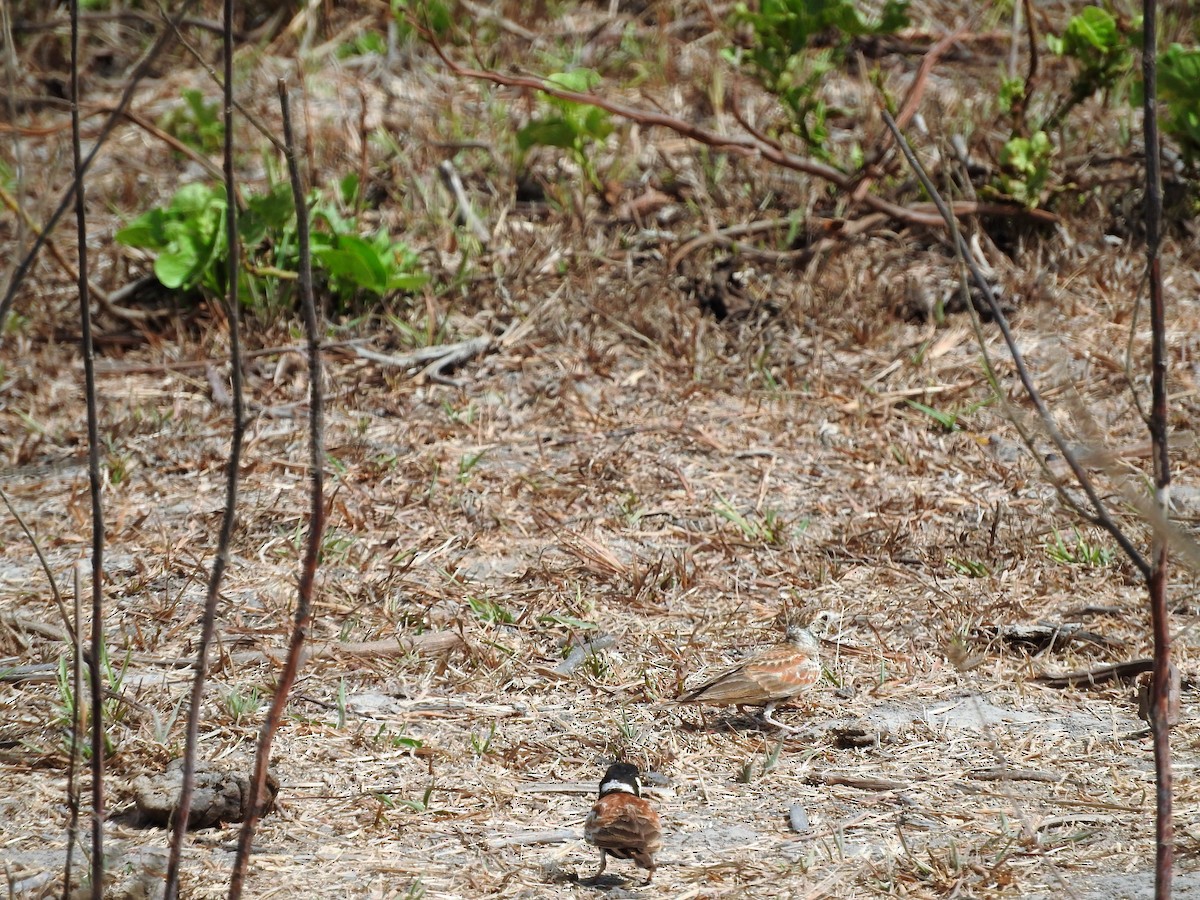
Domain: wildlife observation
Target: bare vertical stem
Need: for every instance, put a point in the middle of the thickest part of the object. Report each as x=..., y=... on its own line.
x=316, y=525
x=1164, y=829
x=93, y=432
x=76, y=729
x=221, y=560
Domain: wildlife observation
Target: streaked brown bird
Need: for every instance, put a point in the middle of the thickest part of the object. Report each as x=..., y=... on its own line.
x=622, y=823
x=766, y=678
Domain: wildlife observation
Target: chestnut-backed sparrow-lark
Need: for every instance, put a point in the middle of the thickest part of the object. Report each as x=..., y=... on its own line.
x=767, y=677
x=623, y=823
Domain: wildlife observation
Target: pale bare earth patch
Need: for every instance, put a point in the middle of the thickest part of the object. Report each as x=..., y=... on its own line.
x=632, y=475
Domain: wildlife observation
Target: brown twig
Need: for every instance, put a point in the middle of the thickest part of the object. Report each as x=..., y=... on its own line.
x=169, y=139
x=94, y=486
x=1098, y=675
x=76, y=727
x=835, y=230
x=912, y=101
x=431, y=643
x=228, y=515
x=58, y=600
x=1156, y=424
x=316, y=525
x=1021, y=104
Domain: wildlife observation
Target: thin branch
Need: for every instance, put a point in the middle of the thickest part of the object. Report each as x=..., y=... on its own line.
x=58, y=600
x=221, y=560
x=470, y=218
x=1099, y=514
x=76, y=729
x=139, y=72
x=93, y=432
x=316, y=525
x=1160, y=679
x=912, y=102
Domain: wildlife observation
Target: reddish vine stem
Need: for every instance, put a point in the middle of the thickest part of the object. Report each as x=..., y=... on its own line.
x=751, y=146
x=912, y=102
x=316, y=525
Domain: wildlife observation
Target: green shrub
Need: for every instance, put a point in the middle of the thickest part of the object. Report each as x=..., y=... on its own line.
x=187, y=237
x=570, y=125
x=780, y=54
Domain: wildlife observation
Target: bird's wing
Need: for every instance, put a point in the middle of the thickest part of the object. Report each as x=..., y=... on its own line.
x=731, y=686
x=783, y=672
x=773, y=674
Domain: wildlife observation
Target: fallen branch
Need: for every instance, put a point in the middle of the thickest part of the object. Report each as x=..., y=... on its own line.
x=439, y=358
x=1098, y=675
x=861, y=782
x=556, y=836
x=1004, y=773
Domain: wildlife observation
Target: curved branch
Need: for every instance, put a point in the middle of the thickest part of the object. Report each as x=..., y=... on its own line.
x=753, y=147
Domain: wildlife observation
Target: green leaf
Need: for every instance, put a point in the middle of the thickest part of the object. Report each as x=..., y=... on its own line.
x=195, y=198
x=147, y=231
x=1179, y=74
x=949, y=421
x=348, y=188
x=1179, y=88
x=175, y=268
x=337, y=223
x=1093, y=27
x=354, y=259
x=273, y=211
x=407, y=282
x=578, y=80
x=556, y=132
x=597, y=123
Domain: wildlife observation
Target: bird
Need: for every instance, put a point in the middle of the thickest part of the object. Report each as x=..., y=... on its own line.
x=768, y=677
x=622, y=823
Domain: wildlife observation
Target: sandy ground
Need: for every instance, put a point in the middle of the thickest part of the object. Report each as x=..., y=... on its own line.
x=626, y=474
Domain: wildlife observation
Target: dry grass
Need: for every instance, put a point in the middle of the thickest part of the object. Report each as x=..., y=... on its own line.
x=628, y=467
